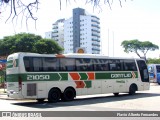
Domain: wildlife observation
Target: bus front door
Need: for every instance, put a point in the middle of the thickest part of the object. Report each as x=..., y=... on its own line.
x=144, y=74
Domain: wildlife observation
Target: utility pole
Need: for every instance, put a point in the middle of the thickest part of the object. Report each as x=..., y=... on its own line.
x=108, y=42
x=113, y=42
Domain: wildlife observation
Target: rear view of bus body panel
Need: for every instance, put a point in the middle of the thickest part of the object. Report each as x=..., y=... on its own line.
x=14, y=82
x=18, y=86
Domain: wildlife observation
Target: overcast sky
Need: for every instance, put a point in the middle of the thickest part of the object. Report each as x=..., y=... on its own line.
x=136, y=19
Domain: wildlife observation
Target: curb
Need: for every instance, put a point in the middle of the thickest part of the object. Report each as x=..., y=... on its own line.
x=5, y=97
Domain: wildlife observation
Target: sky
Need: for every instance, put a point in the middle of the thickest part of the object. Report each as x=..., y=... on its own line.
x=136, y=19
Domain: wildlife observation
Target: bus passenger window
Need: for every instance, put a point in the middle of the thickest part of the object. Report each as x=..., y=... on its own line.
x=50, y=64
x=27, y=64
x=37, y=64
x=84, y=64
x=62, y=65
x=112, y=67
x=115, y=65
x=67, y=64
x=100, y=64
x=129, y=65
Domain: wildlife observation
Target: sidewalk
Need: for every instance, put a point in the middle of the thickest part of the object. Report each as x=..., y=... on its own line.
x=3, y=94
x=2, y=91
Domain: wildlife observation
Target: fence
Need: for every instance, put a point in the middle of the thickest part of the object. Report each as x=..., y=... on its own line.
x=2, y=79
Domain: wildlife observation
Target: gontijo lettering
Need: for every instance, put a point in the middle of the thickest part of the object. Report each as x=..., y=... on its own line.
x=128, y=75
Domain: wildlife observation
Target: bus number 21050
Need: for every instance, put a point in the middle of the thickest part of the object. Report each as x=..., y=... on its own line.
x=38, y=77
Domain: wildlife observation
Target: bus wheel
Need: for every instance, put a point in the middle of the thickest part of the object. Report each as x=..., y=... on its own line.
x=40, y=100
x=68, y=94
x=158, y=83
x=54, y=95
x=116, y=94
x=132, y=89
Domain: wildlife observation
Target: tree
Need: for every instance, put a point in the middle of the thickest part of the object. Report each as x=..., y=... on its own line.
x=153, y=61
x=24, y=42
x=137, y=46
x=29, y=8
x=47, y=46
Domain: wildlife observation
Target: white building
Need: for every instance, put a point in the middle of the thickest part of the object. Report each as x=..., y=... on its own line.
x=57, y=32
x=48, y=35
x=82, y=31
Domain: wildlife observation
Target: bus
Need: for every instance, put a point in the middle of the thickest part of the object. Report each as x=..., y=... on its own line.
x=64, y=76
x=154, y=73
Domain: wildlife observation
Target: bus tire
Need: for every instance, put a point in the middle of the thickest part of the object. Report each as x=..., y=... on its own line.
x=116, y=94
x=68, y=94
x=54, y=95
x=132, y=89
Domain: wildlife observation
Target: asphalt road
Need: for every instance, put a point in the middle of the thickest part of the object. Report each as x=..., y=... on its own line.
x=142, y=101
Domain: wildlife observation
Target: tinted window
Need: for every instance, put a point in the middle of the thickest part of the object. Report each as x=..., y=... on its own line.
x=143, y=70
x=84, y=64
x=141, y=64
x=116, y=65
x=67, y=64
x=130, y=65
x=50, y=64
x=158, y=69
x=38, y=64
x=27, y=64
x=100, y=64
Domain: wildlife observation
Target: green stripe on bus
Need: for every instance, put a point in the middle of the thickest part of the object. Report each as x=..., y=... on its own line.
x=88, y=84
x=116, y=75
x=83, y=76
x=38, y=77
x=64, y=76
x=12, y=78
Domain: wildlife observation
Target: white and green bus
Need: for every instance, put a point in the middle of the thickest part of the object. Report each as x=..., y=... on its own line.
x=65, y=76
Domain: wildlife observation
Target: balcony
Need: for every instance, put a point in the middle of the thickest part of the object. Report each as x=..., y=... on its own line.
x=93, y=39
x=95, y=17
x=93, y=30
x=95, y=44
x=96, y=35
x=95, y=21
x=97, y=26
x=95, y=49
x=55, y=31
x=55, y=36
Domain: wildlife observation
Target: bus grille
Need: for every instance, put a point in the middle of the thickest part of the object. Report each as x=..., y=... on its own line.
x=31, y=89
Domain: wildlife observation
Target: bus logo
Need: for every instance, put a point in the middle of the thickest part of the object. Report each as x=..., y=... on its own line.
x=133, y=75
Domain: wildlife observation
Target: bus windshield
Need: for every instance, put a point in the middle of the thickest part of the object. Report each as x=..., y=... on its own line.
x=158, y=68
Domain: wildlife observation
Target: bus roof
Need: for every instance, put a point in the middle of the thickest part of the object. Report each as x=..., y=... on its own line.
x=70, y=55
